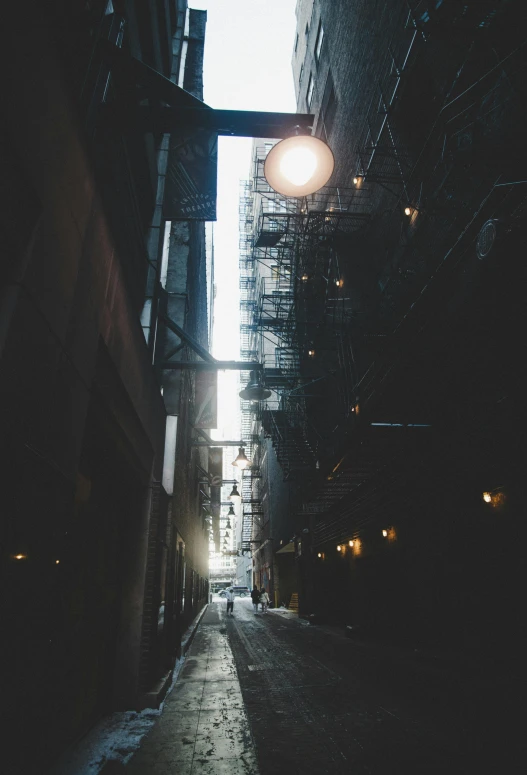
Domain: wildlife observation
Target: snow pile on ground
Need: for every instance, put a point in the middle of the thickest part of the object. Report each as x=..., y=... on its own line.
x=283, y=611
x=114, y=738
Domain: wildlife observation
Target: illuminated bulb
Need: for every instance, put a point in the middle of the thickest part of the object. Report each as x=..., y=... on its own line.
x=407, y=210
x=319, y=555
x=355, y=181
x=350, y=543
x=487, y=497
x=339, y=548
x=305, y=277
x=385, y=533
x=57, y=562
x=339, y=283
x=298, y=165
x=20, y=556
x=311, y=353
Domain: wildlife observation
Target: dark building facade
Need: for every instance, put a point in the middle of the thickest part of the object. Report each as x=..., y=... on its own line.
x=397, y=415
x=104, y=544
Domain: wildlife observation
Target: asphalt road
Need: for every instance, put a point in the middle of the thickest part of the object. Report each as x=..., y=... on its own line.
x=318, y=702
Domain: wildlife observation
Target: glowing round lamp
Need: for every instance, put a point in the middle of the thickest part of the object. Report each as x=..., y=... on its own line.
x=299, y=165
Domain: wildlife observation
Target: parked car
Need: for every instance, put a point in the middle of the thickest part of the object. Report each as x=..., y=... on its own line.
x=238, y=592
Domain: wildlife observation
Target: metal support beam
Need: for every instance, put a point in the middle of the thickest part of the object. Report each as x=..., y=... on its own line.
x=210, y=365
x=208, y=442
x=209, y=362
x=186, y=111
x=217, y=443
x=231, y=123
x=187, y=338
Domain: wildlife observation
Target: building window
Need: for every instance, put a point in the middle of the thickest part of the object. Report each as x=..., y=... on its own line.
x=310, y=87
x=328, y=108
x=281, y=276
x=318, y=42
x=296, y=42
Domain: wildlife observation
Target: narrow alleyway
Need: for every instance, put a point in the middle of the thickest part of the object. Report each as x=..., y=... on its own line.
x=272, y=694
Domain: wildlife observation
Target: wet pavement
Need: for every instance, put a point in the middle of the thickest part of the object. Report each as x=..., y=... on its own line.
x=269, y=693
x=203, y=729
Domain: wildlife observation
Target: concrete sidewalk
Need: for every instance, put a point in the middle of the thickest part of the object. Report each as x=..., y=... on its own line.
x=203, y=729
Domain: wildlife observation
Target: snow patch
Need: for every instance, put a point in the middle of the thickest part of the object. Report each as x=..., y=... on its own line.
x=113, y=738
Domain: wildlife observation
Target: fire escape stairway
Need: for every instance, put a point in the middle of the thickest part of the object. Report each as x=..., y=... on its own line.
x=292, y=448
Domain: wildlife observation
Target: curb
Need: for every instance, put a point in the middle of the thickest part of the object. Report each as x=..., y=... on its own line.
x=186, y=640
x=155, y=697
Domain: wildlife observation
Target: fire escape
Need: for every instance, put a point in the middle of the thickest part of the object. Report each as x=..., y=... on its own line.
x=289, y=281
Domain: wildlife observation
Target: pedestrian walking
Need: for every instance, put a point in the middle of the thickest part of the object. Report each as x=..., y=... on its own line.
x=229, y=594
x=255, y=597
x=264, y=600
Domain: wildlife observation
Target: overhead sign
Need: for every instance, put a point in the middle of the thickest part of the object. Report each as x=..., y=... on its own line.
x=191, y=176
x=206, y=399
x=215, y=478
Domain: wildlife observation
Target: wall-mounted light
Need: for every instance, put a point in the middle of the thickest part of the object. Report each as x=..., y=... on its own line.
x=311, y=353
x=385, y=533
x=57, y=562
x=407, y=210
x=495, y=498
x=357, y=180
x=319, y=554
x=339, y=283
x=350, y=543
x=304, y=278
x=339, y=548
x=20, y=556
x=299, y=165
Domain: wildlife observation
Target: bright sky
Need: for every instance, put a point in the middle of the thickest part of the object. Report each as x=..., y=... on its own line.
x=248, y=50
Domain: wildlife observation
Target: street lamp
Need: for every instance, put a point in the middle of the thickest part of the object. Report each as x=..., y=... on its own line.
x=299, y=165
x=234, y=493
x=254, y=389
x=241, y=461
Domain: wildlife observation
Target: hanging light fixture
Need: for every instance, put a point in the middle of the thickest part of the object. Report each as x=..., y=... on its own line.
x=230, y=512
x=228, y=525
x=234, y=493
x=299, y=165
x=242, y=460
x=254, y=389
